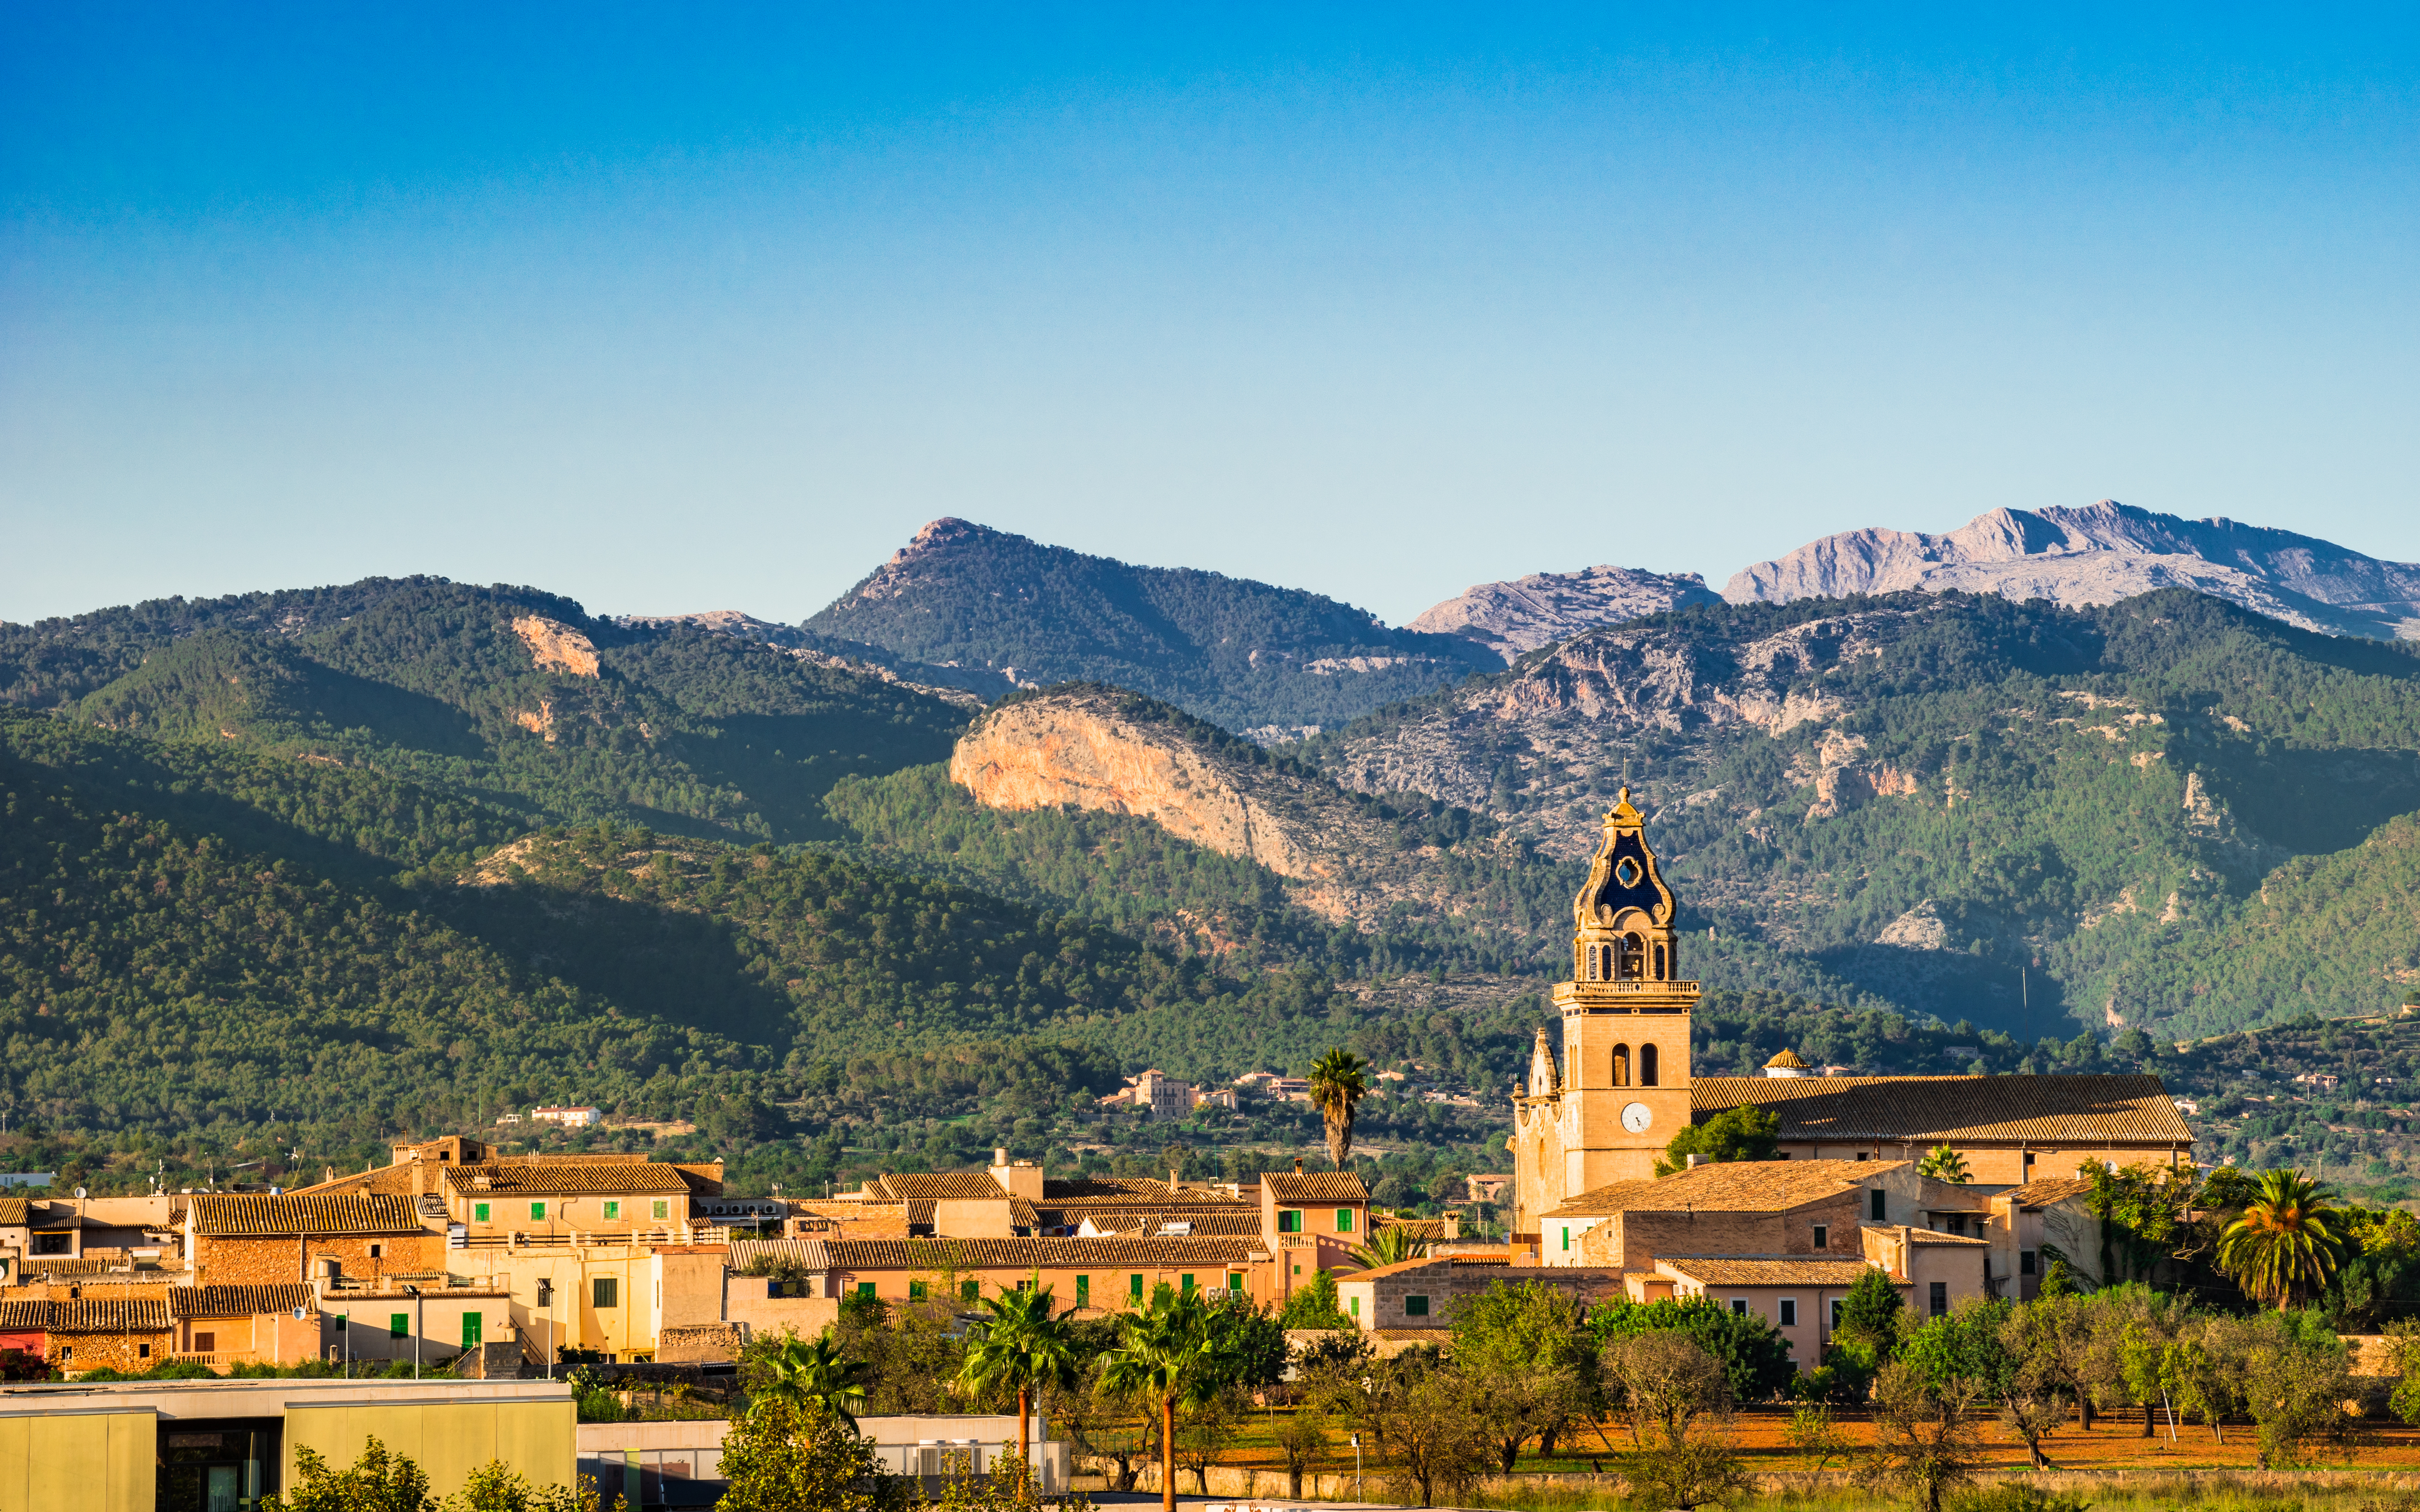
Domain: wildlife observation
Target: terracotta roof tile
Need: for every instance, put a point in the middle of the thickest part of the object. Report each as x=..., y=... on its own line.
x=317, y=1214
x=1766, y=1269
x=1729, y=1186
x=1240, y=1224
x=565, y=1178
x=241, y=1301
x=24, y=1316
x=921, y=1212
x=1026, y=1254
x=943, y=1186
x=2048, y=1190
x=2047, y=1110
x=1934, y=1236
x=1313, y=1186
x=12, y=1212
x=64, y=1264
x=1094, y=1189
x=87, y=1316
x=1021, y=1214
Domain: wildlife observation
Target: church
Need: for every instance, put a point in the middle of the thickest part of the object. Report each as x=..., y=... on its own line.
x=1600, y=1109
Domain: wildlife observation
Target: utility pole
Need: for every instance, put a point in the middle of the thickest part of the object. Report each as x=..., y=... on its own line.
x=419, y=1314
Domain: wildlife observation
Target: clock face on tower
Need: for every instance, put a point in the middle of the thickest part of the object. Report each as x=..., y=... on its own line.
x=1636, y=1117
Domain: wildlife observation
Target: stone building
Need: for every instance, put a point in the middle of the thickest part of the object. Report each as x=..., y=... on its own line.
x=1601, y=1107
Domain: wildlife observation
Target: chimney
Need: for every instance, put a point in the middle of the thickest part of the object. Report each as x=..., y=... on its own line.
x=1297, y=1165
x=1695, y=1160
x=999, y=1156
x=1453, y=1224
x=419, y=1180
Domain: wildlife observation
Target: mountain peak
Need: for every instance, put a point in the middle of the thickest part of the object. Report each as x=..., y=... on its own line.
x=1524, y=614
x=2100, y=554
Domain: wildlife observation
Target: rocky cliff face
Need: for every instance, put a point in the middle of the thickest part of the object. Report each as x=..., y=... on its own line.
x=1510, y=618
x=2100, y=555
x=1107, y=749
x=556, y=647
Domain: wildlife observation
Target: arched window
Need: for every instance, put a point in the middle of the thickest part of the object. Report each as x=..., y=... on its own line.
x=1629, y=961
x=1622, y=1065
x=1659, y=963
x=1647, y=1066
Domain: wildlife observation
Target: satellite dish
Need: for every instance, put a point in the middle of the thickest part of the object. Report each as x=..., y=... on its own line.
x=79, y=1194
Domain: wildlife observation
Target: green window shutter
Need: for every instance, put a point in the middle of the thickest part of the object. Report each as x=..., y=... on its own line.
x=1416, y=1306
x=1134, y=1287
x=663, y=1207
x=1234, y=1281
x=1084, y=1291
x=605, y=1291
x=537, y=1210
x=398, y=1325
x=1356, y=1306
x=478, y=1212
x=1567, y=1236
x=1290, y=1221
x=1344, y=1220
x=471, y=1323
x=970, y=1291
x=1185, y=1281
x=612, y=1210
x=866, y=1291
x=915, y=1291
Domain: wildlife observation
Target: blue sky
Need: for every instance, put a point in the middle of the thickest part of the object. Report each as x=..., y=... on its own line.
x=675, y=312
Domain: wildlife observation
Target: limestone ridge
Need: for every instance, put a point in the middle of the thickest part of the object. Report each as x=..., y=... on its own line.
x=2103, y=553
x=1522, y=614
x=965, y=692
x=1107, y=749
x=1244, y=655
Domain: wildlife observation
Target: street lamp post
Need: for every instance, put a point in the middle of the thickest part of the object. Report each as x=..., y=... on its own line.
x=419, y=1318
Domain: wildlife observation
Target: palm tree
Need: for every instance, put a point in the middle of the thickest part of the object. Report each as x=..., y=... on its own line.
x=1019, y=1347
x=1336, y=1085
x=1945, y=1164
x=1167, y=1353
x=2282, y=1249
x=1390, y=1244
x=798, y=1371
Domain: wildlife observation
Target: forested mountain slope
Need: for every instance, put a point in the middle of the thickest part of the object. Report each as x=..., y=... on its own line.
x=1241, y=654
x=1971, y=807
x=507, y=695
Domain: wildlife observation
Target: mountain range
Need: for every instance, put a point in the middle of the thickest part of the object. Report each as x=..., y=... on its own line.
x=414, y=849
x=2100, y=555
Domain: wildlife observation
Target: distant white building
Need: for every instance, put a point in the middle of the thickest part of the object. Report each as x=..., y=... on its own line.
x=567, y=1118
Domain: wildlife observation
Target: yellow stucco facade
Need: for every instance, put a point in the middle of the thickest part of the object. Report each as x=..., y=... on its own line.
x=99, y=1459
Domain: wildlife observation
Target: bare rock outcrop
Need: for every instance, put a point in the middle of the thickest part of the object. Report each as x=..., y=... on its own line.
x=1520, y=616
x=2103, y=553
x=555, y=646
x=1107, y=749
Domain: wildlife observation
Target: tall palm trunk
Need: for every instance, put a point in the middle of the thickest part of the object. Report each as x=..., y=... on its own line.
x=1024, y=1447
x=1168, y=1453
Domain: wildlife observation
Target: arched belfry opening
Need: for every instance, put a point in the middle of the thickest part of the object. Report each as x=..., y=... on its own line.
x=1622, y=1065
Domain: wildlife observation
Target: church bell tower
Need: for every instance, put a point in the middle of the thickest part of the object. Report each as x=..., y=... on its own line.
x=1622, y=1090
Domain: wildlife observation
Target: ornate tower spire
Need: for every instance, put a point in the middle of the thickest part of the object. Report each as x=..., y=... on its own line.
x=1621, y=919
x=1621, y=1091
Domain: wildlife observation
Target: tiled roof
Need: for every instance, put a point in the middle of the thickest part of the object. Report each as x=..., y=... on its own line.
x=2048, y=1190
x=942, y=1186
x=1429, y=1229
x=241, y=1301
x=1934, y=1236
x=1242, y=1223
x=1091, y=1189
x=2043, y=1110
x=1026, y=1254
x=1728, y=1186
x=745, y=1252
x=320, y=1214
x=1500, y=1260
x=12, y=1212
x=1021, y=1214
x=64, y=1264
x=923, y=1213
x=87, y=1316
x=1313, y=1186
x=1766, y=1269
x=24, y=1316
x=565, y=1178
